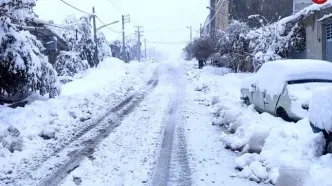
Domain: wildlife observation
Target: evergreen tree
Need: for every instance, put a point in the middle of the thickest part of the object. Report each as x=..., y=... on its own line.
x=23, y=68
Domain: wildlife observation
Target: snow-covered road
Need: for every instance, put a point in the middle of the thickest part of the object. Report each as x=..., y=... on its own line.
x=162, y=135
x=167, y=140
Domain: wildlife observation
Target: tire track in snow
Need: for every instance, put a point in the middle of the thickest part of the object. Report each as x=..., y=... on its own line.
x=127, y=107
x=173, y=165
x=72, y=153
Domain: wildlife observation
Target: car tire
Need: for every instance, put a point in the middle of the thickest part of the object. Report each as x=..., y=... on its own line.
x=327, y=137
x=247, y=101
x=281, y=112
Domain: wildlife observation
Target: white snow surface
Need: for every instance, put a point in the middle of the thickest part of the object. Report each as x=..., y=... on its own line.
x=210, y=163
x=290, y=150
x=320, y=112
x=81, y=101
x=273, y=75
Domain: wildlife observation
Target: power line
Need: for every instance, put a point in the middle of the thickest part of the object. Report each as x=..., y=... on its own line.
x=120, y=5
x=168, y=43
x=107, y=26
x=75, y=8
x=115, y=7
x=216, y=13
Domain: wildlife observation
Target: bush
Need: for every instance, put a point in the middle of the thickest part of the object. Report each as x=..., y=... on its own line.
x=104, y=50
x=201, y=48
x=68, y=64
x=245, y=50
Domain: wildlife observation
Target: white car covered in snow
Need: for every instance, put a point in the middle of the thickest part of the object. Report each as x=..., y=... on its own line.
x=284, y=88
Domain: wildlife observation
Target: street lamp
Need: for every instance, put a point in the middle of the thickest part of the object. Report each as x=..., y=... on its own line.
x=191, y=33
x=107, y=25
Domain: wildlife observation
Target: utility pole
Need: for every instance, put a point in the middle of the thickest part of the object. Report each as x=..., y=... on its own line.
x=125, y=19
x=139, y=44
x=200, y=31
x=145, y=47
x=191, y=33
x=96, y=61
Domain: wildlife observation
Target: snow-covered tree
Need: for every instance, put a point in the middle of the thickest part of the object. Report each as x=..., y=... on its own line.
x=116, y=48
x=69, y=64
x=104, y=49
x=275, y=41
x=232, y=47
x=80, y=38
x=23, y=68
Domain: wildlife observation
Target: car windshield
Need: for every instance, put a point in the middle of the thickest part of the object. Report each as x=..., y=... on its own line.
x=303, y=89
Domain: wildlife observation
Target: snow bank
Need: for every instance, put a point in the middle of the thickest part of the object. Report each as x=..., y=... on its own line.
x=48, y=124
x=273, y=75
x=111, y=69
x=269, y=149
x=320, y=112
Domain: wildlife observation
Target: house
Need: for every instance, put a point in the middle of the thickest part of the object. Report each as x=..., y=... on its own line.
x=49, y=37
x=270, y=10
x=318, y=27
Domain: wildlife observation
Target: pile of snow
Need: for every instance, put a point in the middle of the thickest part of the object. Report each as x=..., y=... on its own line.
x=320, y=112
x=32, y=132
x=269, y=149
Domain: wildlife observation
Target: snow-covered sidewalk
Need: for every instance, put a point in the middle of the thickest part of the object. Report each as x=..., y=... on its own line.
x=44, y=127
x=265, y=148
x=210, y=163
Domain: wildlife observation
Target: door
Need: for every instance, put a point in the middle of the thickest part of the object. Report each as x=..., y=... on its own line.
x=328, y=56
x=257, y=98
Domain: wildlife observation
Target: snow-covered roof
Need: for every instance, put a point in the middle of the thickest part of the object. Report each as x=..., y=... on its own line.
x=273, y=75
x=306, y=12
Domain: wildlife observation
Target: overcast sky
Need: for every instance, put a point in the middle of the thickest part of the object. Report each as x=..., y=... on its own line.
x=163, y=20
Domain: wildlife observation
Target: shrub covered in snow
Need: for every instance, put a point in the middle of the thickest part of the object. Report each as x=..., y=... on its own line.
x=69, y=64
x=202, y=48
x=104, y=50
x=23, y=67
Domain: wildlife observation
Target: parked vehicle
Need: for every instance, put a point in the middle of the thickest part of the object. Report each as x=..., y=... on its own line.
x=284, y=88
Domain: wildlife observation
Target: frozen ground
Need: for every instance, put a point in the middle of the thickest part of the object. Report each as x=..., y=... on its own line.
x=162, y=135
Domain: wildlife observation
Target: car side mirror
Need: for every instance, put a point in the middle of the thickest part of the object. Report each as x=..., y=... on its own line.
x=305, y=106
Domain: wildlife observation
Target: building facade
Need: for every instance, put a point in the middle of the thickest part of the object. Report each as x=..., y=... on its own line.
x=222, y=14
x=319, y=35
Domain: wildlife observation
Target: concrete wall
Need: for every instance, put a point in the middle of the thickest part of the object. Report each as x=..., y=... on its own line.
x=314, y=37
x=222, y=17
